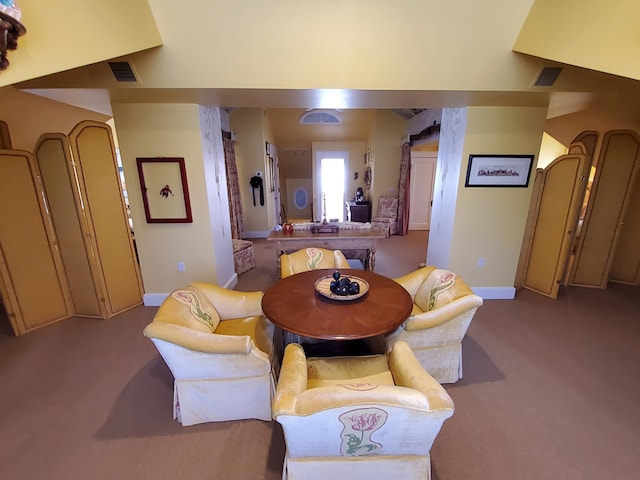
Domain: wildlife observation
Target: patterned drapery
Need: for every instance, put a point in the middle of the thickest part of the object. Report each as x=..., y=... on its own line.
x=233, y=187
x=404, y=192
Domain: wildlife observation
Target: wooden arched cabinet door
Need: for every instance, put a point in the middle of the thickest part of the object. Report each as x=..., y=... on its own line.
x=563, y=185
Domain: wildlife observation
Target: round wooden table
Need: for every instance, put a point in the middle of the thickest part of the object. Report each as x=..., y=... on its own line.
x=293, y=304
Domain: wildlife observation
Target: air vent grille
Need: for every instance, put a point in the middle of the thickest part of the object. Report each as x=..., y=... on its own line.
x=122, y=71
x=548, y=76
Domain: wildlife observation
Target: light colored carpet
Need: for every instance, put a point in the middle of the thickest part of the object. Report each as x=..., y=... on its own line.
x=550, y=391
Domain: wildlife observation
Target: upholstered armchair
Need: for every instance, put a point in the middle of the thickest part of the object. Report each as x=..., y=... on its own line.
x=219, y=348
x=386, y=215
x=443, y=306
x=373, y=416
x=311, y=258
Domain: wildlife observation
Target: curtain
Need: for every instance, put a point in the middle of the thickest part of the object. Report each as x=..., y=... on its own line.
x=233, y=187
x=404, y=192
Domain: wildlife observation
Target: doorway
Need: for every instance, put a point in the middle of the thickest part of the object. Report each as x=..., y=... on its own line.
x=330, y=193
x=423, y=173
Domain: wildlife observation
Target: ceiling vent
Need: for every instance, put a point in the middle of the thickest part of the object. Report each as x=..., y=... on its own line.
x=123, y=72
x=548, y=76
x=320, y=117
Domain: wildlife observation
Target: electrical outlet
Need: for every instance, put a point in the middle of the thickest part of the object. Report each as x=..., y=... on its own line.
x=181, y=267
x=481, y=262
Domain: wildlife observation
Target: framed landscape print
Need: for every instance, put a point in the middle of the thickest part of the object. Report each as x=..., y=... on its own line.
x=499, y=170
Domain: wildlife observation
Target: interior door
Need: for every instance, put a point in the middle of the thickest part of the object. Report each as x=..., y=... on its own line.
x=563, y=186
x=423, y=171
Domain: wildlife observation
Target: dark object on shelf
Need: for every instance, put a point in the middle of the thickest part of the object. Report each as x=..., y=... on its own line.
x=359, y=196
x=359, y=212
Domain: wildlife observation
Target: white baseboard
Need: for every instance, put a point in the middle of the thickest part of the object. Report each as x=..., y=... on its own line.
x=495, y=293
x=154, y=299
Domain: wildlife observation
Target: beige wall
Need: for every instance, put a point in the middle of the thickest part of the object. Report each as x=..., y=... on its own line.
x=168, y=131
x=573, y=32
x=29, y=116
x=385, y=142
x=65, y=34
x=250, y=126
x=489, y=222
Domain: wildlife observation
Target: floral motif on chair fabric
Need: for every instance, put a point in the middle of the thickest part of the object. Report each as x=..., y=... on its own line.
x=444, y=282
x=198, y=312
x=359, y=426
x=314, y=257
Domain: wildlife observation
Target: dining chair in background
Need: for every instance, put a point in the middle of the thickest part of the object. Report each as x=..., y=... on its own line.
x=386, y=215
x=443, y=307
x=311, y=258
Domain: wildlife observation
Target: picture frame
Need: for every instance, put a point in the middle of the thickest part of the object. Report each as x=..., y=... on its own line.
x=164, y=188
x=499, y=171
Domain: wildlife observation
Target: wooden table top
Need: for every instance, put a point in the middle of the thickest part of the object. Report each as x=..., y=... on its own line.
x=294, y=305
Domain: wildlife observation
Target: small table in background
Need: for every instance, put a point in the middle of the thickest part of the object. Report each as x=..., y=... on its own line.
x=360, y=244
x=293, y=305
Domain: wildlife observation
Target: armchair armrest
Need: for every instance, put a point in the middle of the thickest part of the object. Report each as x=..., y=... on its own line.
x=231, y=303
x=292, y=381
x=408, y=372
x=443, y=314
x=198, y=341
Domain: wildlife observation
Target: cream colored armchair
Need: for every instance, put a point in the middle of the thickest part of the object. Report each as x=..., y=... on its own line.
x=311, y=258
x=443, y=306
x=373, y=417
x=218, y=346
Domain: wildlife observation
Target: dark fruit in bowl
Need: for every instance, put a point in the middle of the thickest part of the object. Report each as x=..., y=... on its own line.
x=342, y=290
x=354, y=288
x=344, y=281
x=333, y=285
x=336, y=275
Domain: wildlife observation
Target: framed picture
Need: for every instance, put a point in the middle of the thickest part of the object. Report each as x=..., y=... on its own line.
x=499, y=170
x=165, y=193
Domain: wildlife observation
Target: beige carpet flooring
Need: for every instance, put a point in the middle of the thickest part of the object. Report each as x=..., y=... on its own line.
x=550, y=391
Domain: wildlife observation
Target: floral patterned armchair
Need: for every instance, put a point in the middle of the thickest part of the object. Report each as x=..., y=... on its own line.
x=219, y=348
x=443, y=306
x=311, y=258
x=373, y=416
x=387, y=214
